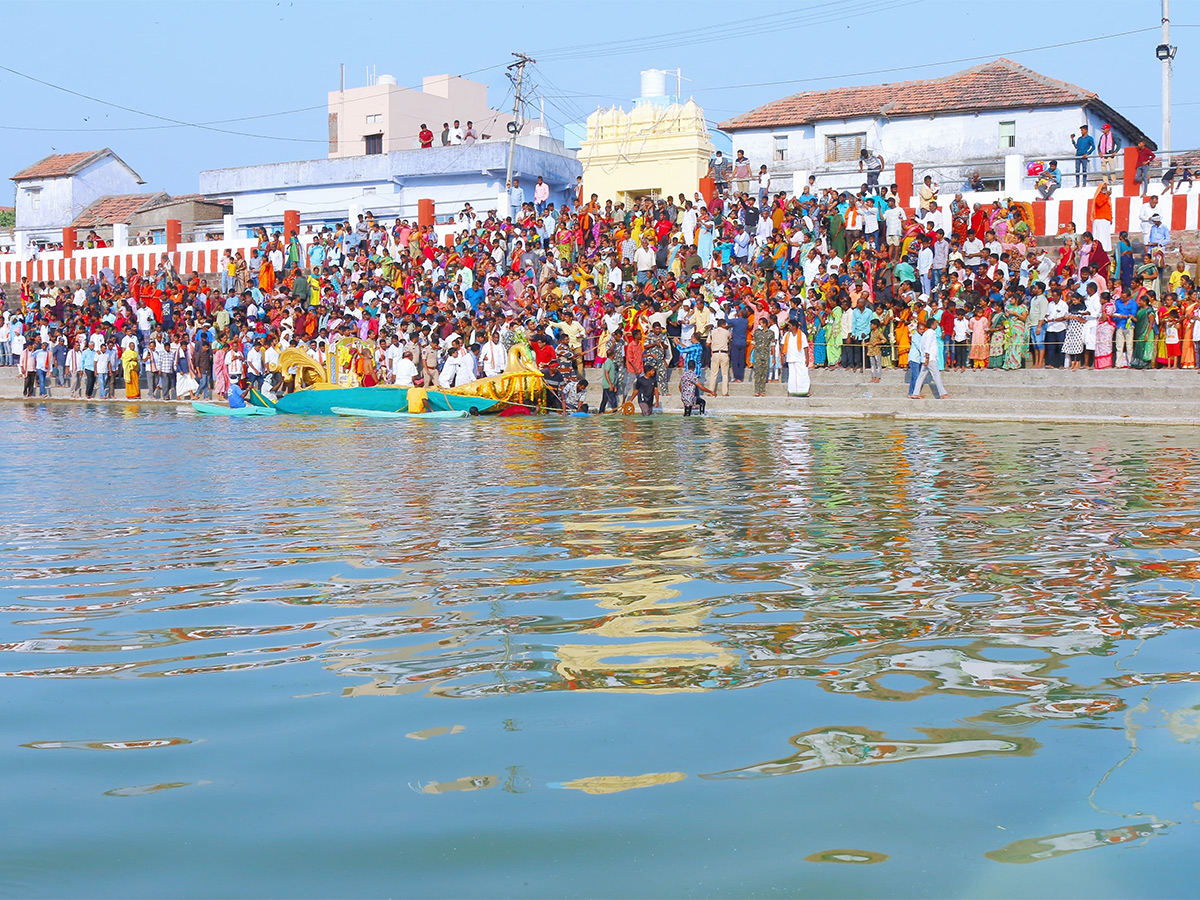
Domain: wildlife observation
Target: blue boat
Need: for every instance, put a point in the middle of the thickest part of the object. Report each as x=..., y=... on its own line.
x=446, y=402
x=213, y=409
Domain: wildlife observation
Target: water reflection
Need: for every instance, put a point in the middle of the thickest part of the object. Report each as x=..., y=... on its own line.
x=1034, y=850
x=822, y=748
x=999, y=592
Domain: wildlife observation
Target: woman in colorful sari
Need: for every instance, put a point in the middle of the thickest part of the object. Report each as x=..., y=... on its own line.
x=818, y=334
x=1016, y=344
x=903, y=337
x=220, y=371
x=1143, y=336
x=1163, y=310
x=1066, y=259
x=960, y=215
x=999, y=338
x=833, y=333
x=1188, y=310
x=1104, y=334
x=130, y=366
x=266, y=275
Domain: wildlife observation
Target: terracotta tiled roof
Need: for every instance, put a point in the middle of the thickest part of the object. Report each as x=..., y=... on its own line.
x=116, y=208
x=1001, y=84
x=60, y=165
x=186, y=198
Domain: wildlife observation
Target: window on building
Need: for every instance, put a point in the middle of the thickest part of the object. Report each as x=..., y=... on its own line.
x=368, y=190
x=1008, y=135
x=844, y=147
x=375, y=118
x=374, y=144
x=35, y=199
x=780, y=148
x=281, y=195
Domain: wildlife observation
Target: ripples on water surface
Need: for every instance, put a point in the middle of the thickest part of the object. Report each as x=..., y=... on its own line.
x=580, y=658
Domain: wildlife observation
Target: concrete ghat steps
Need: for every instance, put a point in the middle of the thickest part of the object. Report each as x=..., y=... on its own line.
x=1148, y=399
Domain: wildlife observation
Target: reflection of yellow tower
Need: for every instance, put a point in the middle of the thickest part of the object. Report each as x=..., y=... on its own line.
x=654, y=149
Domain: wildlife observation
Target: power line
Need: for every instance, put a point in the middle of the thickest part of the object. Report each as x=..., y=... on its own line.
x=944, y=62
x=178, y=123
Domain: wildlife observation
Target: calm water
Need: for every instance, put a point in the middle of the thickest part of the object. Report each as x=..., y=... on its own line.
x=692, y=658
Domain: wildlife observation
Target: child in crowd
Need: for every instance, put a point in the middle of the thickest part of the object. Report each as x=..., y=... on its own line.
x=875, y=351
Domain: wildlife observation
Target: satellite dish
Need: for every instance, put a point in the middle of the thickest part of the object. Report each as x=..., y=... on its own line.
x=513, y=127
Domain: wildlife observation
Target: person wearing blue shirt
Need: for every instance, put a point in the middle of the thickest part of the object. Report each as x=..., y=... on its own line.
x=1125, y=313
x=1049, y=181
x=1084, y=145
x=860, y=330
x=1160, y=235
x=516, y=196
x=739, y=326
x=88, y=365
x=474, y=296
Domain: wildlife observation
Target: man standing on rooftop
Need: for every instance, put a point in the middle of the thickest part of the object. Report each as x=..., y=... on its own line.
x=1084, y=145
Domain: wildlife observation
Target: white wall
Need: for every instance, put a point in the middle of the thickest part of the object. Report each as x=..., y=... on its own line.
x=62, y=199
x=942, y=142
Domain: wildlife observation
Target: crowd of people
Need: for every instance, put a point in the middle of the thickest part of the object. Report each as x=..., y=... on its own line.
x=746, y=285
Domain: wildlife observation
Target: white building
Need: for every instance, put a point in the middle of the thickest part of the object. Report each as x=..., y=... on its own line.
x=391, y=185
x=384, y=117
x=55, y=190
x=946, y=127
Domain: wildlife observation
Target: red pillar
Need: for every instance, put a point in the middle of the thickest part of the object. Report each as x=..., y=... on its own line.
x=424, y=213
x=1091, y=214
x=1121, y=212
x=68, y=243
x=1179, y=212
x=708, y=188
x=904, y=183
x=291, y=223
x=1066, y=214
x=174, y=234
x=1039, y=216
x=1130, y=172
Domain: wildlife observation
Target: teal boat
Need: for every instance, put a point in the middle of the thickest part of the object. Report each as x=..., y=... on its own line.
x=321, y=399
x=440, y=401
x=212, y=409
x=377, y=414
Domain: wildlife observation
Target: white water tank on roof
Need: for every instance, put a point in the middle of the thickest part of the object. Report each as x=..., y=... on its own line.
x=654, y=83
x=386, y=79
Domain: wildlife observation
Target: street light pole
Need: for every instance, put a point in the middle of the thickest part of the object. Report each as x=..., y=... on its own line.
x=1166, y=53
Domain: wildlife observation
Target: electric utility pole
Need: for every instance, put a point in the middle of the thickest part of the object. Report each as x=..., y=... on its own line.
x=514, y=127
x=1166, y=53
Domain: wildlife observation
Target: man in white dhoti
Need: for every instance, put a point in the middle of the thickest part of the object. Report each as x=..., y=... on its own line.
x=794, y=343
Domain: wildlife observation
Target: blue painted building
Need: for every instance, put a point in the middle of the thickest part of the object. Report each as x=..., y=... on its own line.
x=327, y=191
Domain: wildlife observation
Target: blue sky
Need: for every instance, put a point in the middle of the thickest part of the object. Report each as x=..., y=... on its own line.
x=215, y=61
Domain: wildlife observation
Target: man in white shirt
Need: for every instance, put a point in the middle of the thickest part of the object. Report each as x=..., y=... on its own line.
x=1145, y=215
x=254, y=364
x=492, y=357
x=931, y=365
x=644, y=259
x=893, y=221
x=456, y=133
x=972, y=249
x=103, y=365
x=1056, y=331
x=406, y=370
x=925, y=266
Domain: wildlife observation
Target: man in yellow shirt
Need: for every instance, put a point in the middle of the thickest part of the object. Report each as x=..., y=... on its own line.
x=573, y=332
